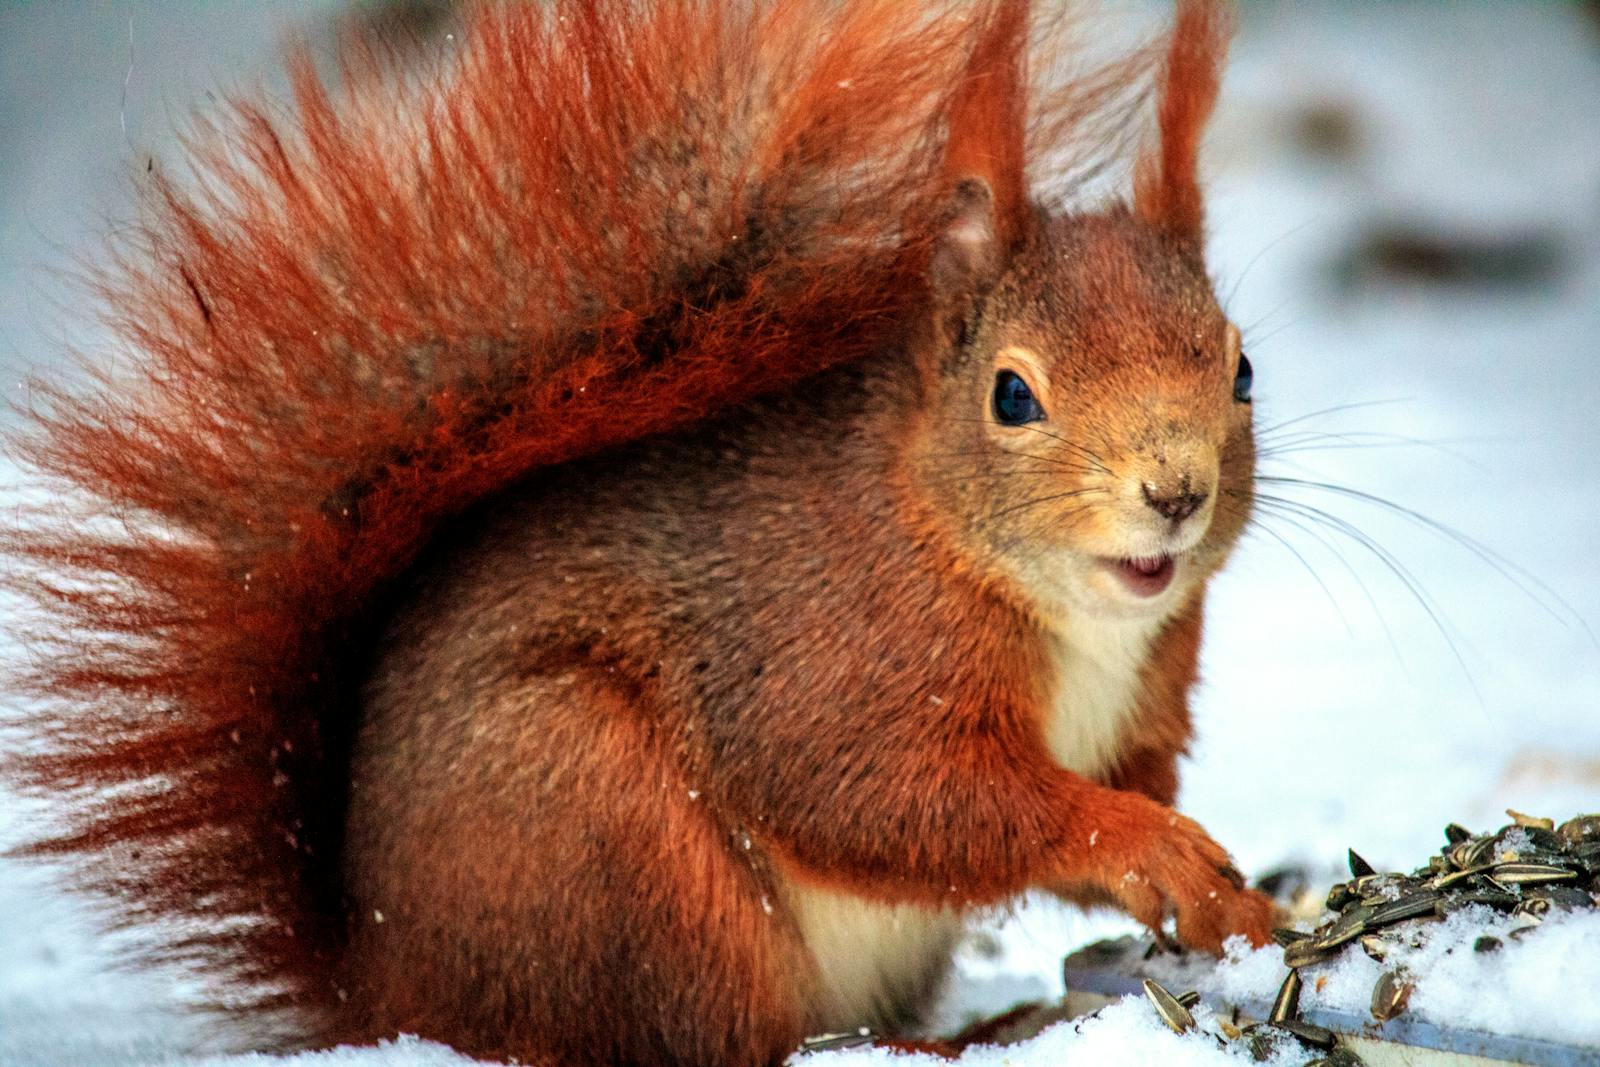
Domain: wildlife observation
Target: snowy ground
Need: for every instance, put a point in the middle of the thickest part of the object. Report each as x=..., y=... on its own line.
x=1406, y=206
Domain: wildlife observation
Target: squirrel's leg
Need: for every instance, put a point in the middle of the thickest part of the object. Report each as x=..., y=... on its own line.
x=533, y=877
x=971, y=814
x=1151, y=771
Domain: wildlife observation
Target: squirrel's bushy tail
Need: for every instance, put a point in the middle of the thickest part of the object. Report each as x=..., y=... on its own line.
x=592, y=221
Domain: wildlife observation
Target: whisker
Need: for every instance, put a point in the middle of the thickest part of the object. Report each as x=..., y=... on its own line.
x=1392, y=563
x=1305, y=441
x=1305, y=563
x=1355, y=406
x=1073, y=446
x=1267, y=511
x=1270, y=245
x=1033, y=548
x=1507, y=569
x=988, y=476
x=1054, y=461
x=1254, y=341
x=1044, y=500
x=1355, y=576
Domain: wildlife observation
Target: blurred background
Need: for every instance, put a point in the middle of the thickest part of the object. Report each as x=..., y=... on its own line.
x=1405, y=209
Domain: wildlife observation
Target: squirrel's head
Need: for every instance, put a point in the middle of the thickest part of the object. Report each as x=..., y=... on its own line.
x=1089, y=420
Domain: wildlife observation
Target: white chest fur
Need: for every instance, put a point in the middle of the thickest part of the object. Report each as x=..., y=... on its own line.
x=1095, y=690
x=878, y=964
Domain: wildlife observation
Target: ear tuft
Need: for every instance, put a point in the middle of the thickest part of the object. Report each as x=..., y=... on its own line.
x=967, y=253
x=1166, y=183
x=988, y=118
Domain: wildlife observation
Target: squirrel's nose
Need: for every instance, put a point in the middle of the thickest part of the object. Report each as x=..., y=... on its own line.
x=1174, y=503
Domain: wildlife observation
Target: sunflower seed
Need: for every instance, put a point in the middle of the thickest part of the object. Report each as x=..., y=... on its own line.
x=1499, y=899
x=1174, y=1014
x=1481, y=852
x=1531, y=874
x=1350, y=925
x=1420, y=903
x=1312, y=1034
x=830, y=1042
x=1389, y=996
x=1534, y=908
x=1261, y=1040
x=1528, y=868
x=1530, y=821
x=1560, y=896
x=1444, y=881
x=1579, y=830
x=1473, y=852
x=1286, y=1005
x=1304, y=953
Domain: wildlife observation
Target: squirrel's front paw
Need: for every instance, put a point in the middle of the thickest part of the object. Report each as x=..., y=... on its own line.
x=1159, y=863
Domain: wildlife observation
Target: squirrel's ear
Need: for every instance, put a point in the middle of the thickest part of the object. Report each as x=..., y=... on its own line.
x=988, y=114
x=967, y=256
x=984, y=157
x=1166, y=182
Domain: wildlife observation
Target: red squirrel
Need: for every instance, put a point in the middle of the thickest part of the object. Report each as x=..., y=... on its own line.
x=618, y=542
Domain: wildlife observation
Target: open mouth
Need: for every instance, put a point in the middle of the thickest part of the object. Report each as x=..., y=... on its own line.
x=1143, y=576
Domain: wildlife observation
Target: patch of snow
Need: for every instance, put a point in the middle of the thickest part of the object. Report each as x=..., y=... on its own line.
x=1538, y=984
x=1127, y=1033
x=401, y=1052
x=1512, y=845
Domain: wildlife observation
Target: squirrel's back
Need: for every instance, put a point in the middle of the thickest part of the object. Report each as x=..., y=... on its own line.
x=534, y=711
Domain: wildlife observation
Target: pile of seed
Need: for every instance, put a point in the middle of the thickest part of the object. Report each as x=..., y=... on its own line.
x=1262, y=1039
x=1528, y=868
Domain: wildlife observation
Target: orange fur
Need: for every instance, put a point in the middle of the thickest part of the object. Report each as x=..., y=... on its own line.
x=988, y=107
x=1167, y=188
x=412, y=475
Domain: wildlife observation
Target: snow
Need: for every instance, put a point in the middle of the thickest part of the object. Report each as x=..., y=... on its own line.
x=1539, y=984
x=1512, y=845
x=1125, y=1033
x=403, y=1050
x=1327, y=719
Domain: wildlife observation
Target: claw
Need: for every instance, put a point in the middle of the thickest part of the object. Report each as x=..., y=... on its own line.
x=1164, y=942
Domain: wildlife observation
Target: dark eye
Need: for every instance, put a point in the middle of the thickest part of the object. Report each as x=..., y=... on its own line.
x=1242, y=378
x=1013, y=400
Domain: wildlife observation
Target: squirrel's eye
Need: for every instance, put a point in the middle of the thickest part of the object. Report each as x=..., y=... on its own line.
x=1242, y=379
x=1014, y=403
